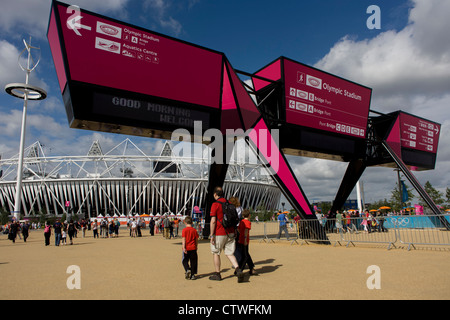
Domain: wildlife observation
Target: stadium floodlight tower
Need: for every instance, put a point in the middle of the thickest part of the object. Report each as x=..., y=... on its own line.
x=26, y=92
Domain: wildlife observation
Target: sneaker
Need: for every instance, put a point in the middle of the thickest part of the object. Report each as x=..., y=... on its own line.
x=253, y=272
x=240, y=275
x=193, y=277
x=187, y=276
x=215, y=276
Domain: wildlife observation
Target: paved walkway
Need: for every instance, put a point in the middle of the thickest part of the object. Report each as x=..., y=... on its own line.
x=150, y=268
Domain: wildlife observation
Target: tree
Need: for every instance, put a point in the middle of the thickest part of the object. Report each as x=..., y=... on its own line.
x=43, y=216
x=4, y=216
x=435, y=195
x=447, y=194
x=324, y=206
x=396, y=197
x=380, y=203
x=262, y=213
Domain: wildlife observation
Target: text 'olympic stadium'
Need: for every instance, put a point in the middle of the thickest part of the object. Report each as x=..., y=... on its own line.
x=126, y=181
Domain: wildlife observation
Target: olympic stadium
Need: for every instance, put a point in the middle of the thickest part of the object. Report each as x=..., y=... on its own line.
x=125, y=180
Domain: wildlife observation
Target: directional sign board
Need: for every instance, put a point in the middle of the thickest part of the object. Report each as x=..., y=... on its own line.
x=115, y=76
x=329, y=110
x=319, y=100
x=414, y=139
x=325, y=102
x=419, y=134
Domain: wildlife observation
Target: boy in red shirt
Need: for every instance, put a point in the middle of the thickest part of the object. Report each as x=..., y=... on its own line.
x=190, y=244
x=244, y=239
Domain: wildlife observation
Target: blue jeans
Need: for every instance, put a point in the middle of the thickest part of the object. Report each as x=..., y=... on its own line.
x=57, y=238
x=285, y=232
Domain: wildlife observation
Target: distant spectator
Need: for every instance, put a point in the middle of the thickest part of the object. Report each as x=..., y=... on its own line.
x=282, y=220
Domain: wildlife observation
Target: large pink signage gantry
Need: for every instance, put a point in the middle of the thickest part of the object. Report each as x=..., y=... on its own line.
x=117, y=77
x=130, y=76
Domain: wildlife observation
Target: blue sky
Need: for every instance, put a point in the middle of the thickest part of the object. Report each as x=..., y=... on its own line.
x=406, y=63
x=253, y=33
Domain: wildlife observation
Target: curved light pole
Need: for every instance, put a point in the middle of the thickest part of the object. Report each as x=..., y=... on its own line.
x=26, y=92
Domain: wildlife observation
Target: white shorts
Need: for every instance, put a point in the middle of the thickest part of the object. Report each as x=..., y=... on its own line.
x=226, y=243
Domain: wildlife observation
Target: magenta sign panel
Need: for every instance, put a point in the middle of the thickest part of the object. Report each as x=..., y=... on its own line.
x=319, y=100
x=105, y=52
x=419, y=134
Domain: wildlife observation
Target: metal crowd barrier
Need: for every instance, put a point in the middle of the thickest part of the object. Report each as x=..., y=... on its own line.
x=426, y=230
x=270, y=231
x=363, y=230
x=422, y=230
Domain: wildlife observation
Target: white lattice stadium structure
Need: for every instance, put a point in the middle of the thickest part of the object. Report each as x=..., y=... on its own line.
x=126, y=181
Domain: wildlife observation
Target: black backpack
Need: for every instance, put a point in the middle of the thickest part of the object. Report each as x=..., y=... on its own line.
x=230, y=215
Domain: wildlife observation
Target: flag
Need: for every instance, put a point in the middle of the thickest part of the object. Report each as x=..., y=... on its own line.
x=405, y=196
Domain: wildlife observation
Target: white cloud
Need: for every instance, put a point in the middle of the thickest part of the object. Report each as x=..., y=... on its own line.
x=11, y=72
x=9, y=68
x=319, y=178
x=159, y=11
x=38, y=128
x=431, y=26
x=392, y=64
x=11, y=122
x=25, y=15
x=31, y=16
x=413, y=61
x=172, y=24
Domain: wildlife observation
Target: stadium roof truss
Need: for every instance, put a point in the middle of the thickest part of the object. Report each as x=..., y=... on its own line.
x=125, y=180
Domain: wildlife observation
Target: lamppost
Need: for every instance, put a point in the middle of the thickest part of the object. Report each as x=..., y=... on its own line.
x=26, y=92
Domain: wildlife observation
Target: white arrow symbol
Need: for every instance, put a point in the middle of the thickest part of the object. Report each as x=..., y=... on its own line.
x=73, y=22
x=437, y=130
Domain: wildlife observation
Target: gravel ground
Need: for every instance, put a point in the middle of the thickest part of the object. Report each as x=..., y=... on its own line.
x=149, y=268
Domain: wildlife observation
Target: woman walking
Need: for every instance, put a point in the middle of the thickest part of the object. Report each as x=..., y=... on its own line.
x=47, y=233
x=71, y=231
x=95, y=228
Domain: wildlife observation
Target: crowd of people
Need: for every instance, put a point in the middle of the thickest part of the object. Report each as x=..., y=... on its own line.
x=351, y=221
x=100, y=227
x=232, y=240
x=346, y=221
x=15, y=229
x=62, y=230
